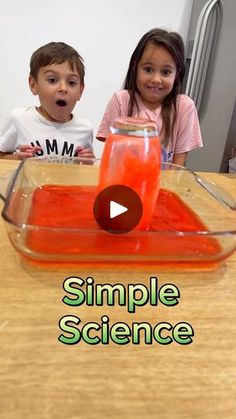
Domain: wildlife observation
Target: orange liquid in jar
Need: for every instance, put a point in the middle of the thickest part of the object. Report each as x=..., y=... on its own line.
x=134, y=162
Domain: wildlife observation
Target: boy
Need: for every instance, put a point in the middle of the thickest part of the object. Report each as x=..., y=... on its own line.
x=51, y=129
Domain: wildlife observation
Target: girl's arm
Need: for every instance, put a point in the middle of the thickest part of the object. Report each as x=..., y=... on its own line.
x=180, y=159
x=187, y=133
x=112, y=111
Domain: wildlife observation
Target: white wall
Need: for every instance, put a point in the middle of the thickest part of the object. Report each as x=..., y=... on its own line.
x=104, y=32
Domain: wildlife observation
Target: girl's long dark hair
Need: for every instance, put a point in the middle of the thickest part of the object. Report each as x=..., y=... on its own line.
x=173, y=42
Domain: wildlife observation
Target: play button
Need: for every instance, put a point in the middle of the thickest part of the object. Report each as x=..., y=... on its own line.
x=117, y=209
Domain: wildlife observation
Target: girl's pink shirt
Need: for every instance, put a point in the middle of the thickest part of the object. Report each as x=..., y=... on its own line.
x=186, y=135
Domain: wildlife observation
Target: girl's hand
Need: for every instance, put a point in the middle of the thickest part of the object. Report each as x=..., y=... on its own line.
x=25, y=151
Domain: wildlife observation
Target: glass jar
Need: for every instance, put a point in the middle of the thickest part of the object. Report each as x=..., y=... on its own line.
x=132, y=157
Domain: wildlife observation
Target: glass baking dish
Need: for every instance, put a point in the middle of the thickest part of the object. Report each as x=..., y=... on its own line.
x=173, y=241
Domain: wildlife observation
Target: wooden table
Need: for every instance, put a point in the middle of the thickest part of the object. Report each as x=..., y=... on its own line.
x=41, y=377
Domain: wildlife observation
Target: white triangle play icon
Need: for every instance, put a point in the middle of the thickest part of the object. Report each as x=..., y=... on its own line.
x=116, y=209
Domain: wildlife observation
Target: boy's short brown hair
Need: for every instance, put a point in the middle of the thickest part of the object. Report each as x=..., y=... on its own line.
x=56, y=53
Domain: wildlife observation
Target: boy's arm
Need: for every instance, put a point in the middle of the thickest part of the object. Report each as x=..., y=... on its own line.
x=9, y=156
x=9, y=148
x=8, y=139
x=87, y=149
x=24, y=152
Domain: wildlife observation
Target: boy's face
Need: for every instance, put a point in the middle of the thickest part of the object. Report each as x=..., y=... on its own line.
x=58, y=88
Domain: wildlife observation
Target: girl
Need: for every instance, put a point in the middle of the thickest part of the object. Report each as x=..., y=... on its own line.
x=152, y=90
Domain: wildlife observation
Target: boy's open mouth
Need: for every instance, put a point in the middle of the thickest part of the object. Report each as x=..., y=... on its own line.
x=61, y=102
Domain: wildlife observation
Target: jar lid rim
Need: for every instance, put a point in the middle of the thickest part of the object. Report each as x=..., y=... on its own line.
x=132, y=123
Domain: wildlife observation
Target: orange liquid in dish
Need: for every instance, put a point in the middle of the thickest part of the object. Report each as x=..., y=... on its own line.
x=65, y=209
x=134, y=162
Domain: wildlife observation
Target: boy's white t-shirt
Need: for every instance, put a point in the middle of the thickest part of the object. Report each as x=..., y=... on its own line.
x=28, y=126
x=186, y=134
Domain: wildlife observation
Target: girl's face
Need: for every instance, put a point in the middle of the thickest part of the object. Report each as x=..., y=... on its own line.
x=58, y=89
x=156, y=73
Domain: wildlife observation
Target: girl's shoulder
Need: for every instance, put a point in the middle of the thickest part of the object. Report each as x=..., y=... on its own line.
x=120, y=101
x=122, y=95
x=185, y=101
